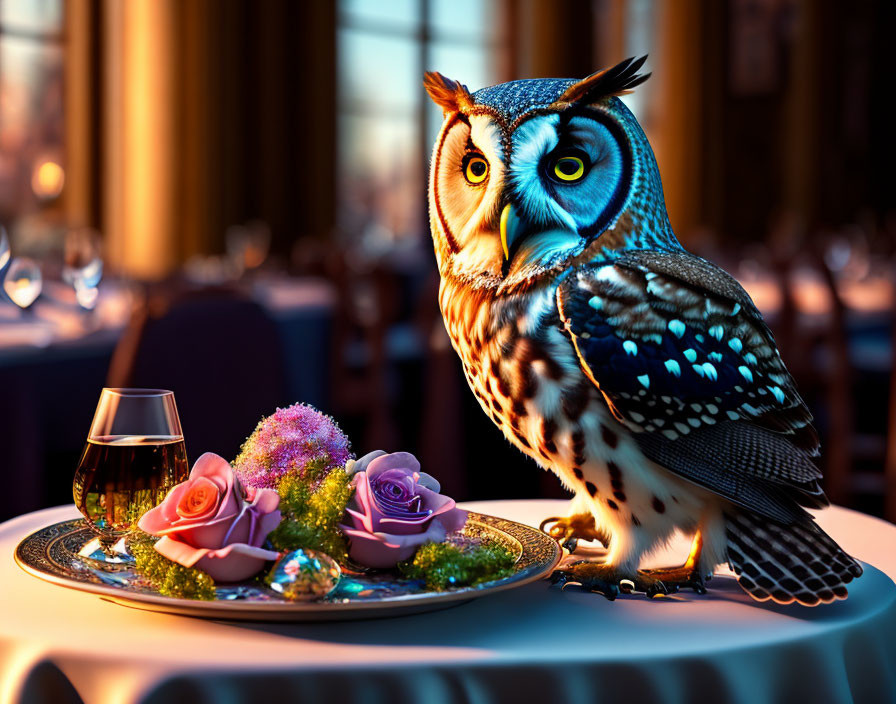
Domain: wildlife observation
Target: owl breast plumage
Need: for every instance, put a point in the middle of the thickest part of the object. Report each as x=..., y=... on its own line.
x=641, y=375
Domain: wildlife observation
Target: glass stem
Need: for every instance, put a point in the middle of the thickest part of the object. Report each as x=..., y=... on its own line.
x=107, y=544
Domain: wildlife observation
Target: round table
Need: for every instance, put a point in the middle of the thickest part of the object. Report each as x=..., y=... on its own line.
x=535, y=643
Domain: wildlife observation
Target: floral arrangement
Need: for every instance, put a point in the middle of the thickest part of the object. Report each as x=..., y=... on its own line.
x=296, y=498
x=298, y=441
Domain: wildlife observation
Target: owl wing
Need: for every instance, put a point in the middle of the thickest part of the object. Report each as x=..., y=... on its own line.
x=685, y=361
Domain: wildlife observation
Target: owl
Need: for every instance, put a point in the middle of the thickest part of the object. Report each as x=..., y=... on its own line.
x=642, y=375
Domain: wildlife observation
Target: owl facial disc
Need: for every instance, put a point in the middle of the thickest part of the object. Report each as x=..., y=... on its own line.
x=528, y=175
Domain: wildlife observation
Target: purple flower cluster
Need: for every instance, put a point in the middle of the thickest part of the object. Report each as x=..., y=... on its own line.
x=296, y=440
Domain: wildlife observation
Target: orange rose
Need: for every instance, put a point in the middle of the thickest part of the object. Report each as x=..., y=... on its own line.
x=211, y=522
x=201, y=498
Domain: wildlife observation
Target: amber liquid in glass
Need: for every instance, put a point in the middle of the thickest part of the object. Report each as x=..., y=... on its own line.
x=120, y=477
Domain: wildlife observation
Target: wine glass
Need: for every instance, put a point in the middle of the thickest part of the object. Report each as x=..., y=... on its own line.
x=4, y=248
x=83, y=267
x=23, y=282
x=134, y=455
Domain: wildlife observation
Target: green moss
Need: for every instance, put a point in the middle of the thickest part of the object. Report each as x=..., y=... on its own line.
x=443, y=565
x=142, y=502
x=313, y=515
x=167, y=577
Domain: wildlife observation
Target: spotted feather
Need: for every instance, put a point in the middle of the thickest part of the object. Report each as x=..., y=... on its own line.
x=704, y=354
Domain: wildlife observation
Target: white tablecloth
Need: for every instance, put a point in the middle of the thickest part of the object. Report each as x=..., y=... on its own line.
x=535, y=643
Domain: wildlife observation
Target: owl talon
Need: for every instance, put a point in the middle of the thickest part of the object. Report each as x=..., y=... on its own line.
x=626, y=586
x=602, y=579
x=670, y=581
x=569, y=530
x=591, y=577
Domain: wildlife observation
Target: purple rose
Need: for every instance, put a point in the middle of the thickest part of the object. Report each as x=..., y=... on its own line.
x=395, y=509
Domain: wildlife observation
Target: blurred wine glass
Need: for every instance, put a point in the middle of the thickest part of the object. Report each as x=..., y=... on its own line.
x=4, y=248
x=248, y=245
x=23, y=282
x=83, y=264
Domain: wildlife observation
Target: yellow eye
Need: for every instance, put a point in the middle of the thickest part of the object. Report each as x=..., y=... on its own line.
x=569, y=168
x=476, y=169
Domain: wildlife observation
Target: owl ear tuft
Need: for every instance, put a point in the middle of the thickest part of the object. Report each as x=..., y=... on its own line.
x=449, y=95
x=618, y=80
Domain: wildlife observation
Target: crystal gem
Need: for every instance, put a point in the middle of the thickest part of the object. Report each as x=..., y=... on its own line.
x=301, y=575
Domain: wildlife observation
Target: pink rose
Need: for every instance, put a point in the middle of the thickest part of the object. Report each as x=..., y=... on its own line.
x=211, y=522
x=395, y=509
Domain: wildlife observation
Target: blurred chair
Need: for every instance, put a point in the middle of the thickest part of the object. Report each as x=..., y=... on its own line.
x=362, y=383
x=814, y=348
x=860, y=455
x=218, y=351
x=442, y=433
x=840, y=446
x=369, y=305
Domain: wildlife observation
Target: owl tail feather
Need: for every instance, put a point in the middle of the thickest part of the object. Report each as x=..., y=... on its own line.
x=787, y=563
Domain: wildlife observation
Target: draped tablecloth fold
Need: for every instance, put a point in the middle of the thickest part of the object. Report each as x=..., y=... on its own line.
x=535, y=643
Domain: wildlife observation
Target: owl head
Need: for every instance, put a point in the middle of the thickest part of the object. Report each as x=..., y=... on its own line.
x=530, y=176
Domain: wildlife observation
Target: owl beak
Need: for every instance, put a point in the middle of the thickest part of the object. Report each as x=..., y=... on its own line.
x=510, y=229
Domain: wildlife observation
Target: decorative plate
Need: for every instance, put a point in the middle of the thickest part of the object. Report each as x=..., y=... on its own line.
x=51, y=554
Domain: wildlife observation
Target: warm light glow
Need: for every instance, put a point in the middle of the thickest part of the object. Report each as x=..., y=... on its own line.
x=140, y=109
x=47, y=180
x=148, y=134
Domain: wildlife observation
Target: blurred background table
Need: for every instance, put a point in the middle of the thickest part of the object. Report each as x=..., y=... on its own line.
x=535, y=643
x=55, y=358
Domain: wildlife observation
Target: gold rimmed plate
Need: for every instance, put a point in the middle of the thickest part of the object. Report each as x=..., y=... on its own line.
x=51, y=554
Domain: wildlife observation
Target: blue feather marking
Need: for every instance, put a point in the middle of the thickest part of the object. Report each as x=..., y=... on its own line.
x=649, y=372
x=608, y=353
x=677, y=328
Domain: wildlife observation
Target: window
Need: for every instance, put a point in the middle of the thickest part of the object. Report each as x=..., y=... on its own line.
x=387, y=125
x=31, y=106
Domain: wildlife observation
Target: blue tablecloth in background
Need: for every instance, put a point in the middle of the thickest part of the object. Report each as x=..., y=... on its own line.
x=48, y=394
